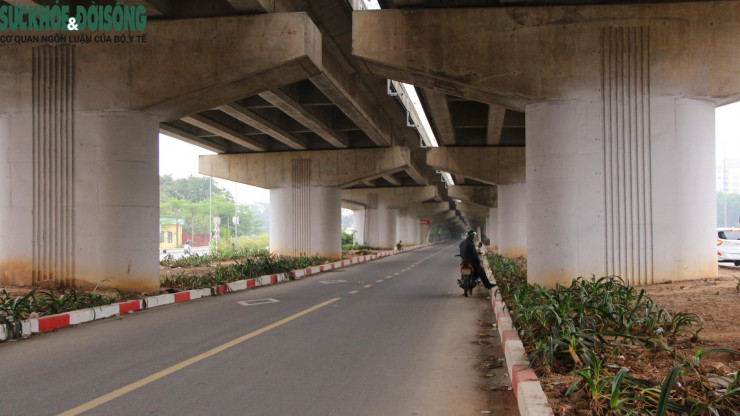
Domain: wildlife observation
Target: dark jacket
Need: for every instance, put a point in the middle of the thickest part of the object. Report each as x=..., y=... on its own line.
x=468, y=252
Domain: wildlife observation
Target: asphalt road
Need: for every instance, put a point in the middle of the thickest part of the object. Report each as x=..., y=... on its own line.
x=389, y=337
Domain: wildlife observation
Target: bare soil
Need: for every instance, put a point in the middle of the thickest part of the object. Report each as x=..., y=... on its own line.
x=715, y=300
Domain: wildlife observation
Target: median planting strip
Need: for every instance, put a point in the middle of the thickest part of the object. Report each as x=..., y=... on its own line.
x=52, y=322
x=530, y=396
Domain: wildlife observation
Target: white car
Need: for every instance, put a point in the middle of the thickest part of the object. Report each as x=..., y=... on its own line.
x=728, y=245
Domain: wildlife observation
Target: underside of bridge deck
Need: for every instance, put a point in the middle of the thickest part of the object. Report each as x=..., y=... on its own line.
x=578, y=132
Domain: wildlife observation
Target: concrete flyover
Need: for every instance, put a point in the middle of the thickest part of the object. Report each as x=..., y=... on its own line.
x=619, y=103
x=580, y=135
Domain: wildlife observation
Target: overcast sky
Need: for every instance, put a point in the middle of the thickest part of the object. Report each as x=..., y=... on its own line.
x=180, y=159
x=728, y=131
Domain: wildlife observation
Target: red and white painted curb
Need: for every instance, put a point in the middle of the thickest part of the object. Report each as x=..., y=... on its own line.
x=52, y=322
x=530, y=397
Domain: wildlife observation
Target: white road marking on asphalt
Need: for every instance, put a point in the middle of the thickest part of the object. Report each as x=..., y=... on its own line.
x=257, y=302
x=177, y=367
x=331, y=282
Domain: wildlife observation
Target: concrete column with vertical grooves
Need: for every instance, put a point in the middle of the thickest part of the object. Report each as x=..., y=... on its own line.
x=608, y=184
x=512, y=219
x=306, y=219
x=80, y=202
x=381, y=227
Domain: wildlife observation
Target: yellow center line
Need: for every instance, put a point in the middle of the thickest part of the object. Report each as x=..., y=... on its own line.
x=379, y=281
x=396, y=274
x=177, y=367
x=367, y=286
x=354, y=291
x=388, y=277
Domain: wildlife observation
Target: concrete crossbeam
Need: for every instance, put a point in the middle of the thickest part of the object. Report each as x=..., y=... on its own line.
x=478, y=194
x=223, y=131
x=354, y=206
x=258, y=122
x=253, y=6
x=444, y=217
x=495, y=124
x=344, y=91
x=429, y=209
x=390, y=179
x=154, y=8
x=292, y=108
x=492, y=165
x=329, y=168
x=440, y=110
x=227, y=60
x=177, y=133
x=390, y=198
x=510, y=56
x=478, y=212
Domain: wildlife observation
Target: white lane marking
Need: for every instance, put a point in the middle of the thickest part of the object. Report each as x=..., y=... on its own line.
x=331, y=282
x=257, y=302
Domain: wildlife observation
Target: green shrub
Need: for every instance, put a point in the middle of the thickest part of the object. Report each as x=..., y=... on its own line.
x=578, y=328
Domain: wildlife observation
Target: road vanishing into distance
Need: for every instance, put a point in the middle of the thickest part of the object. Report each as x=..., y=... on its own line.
x=389, y=337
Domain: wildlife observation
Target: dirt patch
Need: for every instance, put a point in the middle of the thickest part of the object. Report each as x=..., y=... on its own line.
x=715, y=300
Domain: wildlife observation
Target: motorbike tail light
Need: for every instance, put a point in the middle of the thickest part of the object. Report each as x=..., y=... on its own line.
x=719, y=242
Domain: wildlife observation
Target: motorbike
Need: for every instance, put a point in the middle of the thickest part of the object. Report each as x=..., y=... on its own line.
x=188, y=249
x=467, y=281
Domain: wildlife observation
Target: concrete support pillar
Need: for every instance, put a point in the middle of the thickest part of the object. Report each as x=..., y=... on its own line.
x=358, y=223
x=381, y=227
x=512, y=220
x=306, y=219
x=492, y=229
x=604, y=193
x=401, y=226
x=79, y=204
x=565, y=197
x=425, y=233
x=414, y=230
x=402, y=221
x=683, y=197
x=407, y=228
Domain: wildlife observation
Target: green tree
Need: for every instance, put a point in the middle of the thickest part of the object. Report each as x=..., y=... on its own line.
x=188, y=198
x=249, y=222
x=191, y=189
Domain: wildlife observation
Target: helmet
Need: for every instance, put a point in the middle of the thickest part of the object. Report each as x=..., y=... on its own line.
x=471, y=233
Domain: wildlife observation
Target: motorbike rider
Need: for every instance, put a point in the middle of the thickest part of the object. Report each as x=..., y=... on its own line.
x=469, y=253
